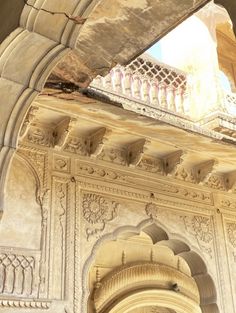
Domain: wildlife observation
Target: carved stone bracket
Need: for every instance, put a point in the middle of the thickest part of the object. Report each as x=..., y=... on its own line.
x=30, y=117
x=62, y=131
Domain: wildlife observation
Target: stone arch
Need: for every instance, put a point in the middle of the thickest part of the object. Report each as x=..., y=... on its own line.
x=197, y=266
x=162, y=298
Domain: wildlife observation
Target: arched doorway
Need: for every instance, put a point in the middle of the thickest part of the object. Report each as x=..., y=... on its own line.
x=143, y=270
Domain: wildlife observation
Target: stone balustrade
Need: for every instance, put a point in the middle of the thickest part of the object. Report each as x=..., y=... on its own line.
x=149, y=82
x=19, y=273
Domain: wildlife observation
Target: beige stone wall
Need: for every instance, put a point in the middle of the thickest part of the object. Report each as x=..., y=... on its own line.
x=62, y=207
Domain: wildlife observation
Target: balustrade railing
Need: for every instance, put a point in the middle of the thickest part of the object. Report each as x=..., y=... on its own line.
x=147, y=81
x=19, y=273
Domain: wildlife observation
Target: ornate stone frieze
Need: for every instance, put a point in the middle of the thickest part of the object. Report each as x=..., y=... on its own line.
x=216, y=182
x=228, y=204
x=97, y=212
x=99, y=172
x=151, y=164
x=178, y=191
x=114, y=155
x=25, y=304
x=182, y=174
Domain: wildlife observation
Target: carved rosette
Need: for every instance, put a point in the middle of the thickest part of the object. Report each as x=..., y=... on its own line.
x=97, y=211
x=201, y=228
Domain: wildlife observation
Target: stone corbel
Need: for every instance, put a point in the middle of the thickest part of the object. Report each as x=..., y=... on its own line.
x=62, y=132
x=30, y=117
x=135, y=151
x=172, y=160
x=98, y=140
x=221, y=181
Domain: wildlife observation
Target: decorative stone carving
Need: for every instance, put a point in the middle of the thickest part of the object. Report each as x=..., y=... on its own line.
x=77, y=145
x=43, y=305
x=231, y=231
x=101, y=172
x=17, y=275
x=61, y=163
x=97, y=211
x=40, y=136
x=114, y=155
x=150, y=164
x=216, y=182
x=201, y=228
x=182, y=174
x=151, y=210
x=31, y=115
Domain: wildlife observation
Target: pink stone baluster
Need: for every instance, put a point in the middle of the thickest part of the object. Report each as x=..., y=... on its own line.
x=98, y=81
x=154, y=90
x=136, y=86
x=145, y=87
x=108, y=81
x=180, y=100
x=117, y=79
x=127, y=83
x=171, y=98
x=162, y=95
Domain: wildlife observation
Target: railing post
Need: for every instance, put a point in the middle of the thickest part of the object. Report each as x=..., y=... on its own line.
x=136, y=86
x=127, y=83
x=145, y=86
x=171, y=98
x=180, y=100
x=154, y=90
x=162, y=95
x=117, y=76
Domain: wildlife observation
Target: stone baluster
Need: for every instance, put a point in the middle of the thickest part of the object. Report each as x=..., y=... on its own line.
x=145, y=87
x=162, y=95
x=180, y=100
x=136, y=86
x=127, y=83
x=154, y=90
x=171, y=98
x=98, y=81
x=19, y=278
x=117, y=76
x=10, y=275
x=108, y=81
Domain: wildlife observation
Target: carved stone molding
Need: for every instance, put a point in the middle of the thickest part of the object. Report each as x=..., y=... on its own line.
x=25, y=304
x=97, y=212
x=126, y=278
